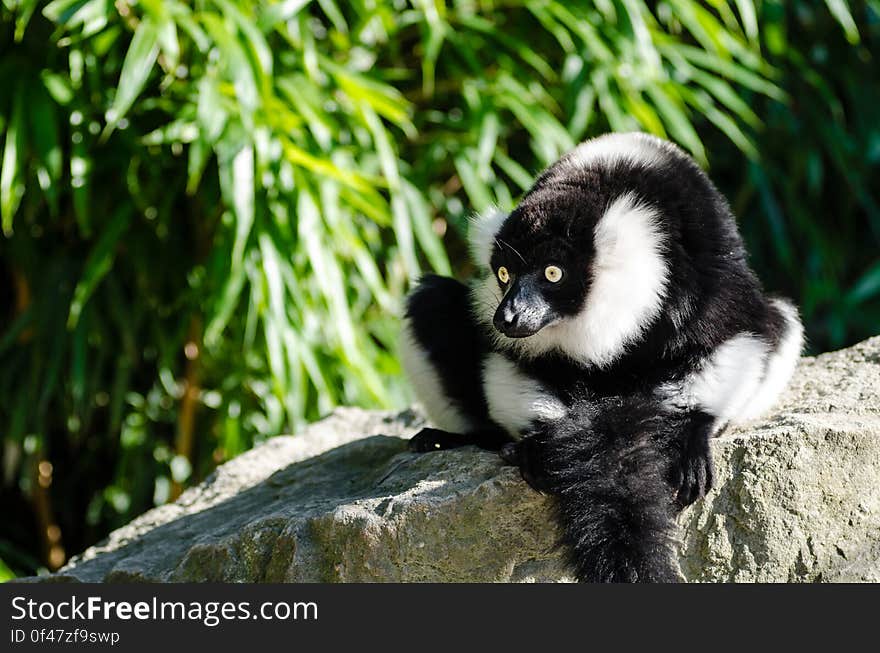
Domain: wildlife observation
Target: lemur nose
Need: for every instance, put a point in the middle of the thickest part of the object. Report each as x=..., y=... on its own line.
x=505, y=318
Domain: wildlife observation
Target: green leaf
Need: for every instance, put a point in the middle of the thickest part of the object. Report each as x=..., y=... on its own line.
x=139, y=61
x=225, y=305
x=675, y=117
x=43, y=123
x=475, y=186
x=749, y=18
x=23, y=17
x=6, y=574
x=258, y=49
x=307, y=102
x=721, y=120
x=514, y=170
x=237, y=185
x=866, y=287
x=61, y=11
x=168, y=41
x=99, y=263
x=199, y=151
x=842, y=15
x=275, y=320
x=422, y=225
x=58, y=86
x=11, y=182
x=522, y=49
x=210, y=110
x=649, y=55
x=325, y=167
x=281, y=12
x=385, y=100
x=731, y=70
x=727, y=96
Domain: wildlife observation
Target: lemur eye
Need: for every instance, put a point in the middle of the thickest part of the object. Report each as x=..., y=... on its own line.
x=553, y=273
x=503, y=274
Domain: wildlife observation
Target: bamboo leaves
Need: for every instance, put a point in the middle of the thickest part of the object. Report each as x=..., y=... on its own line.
x=136, y=67
x=11, y=173
x=98, y=264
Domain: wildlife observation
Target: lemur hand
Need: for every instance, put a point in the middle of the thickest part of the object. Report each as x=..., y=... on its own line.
x=691, y=472
x=430, y=439
x=528, y=455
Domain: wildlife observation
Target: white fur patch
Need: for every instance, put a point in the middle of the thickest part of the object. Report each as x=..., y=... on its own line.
x=629, y=282
x=744, y=377
x=628, y=285
x=730, y=379
x=780, y=363
x=485, y=298
x=440, y=409
x=482, y=232
x=610, y=148
x=514, y=399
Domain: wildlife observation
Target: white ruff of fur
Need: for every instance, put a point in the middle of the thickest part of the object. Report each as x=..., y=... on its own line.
x=482, y=232
x=780, y=363
x=441, y=411
x=610, y=148
x=628, y=285
x=515, y=400
x=744, y=376
x=730, y=379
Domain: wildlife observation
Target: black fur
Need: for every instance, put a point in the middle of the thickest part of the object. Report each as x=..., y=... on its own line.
x=440, y=314
x=608, y=464
x=622, y=460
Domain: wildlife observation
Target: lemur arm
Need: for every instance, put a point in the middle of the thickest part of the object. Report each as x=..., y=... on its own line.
x=611, y=465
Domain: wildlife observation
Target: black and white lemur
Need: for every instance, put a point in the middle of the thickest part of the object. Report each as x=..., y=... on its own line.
x=615, y=329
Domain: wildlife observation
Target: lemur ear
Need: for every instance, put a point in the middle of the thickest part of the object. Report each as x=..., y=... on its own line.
x=482, y=232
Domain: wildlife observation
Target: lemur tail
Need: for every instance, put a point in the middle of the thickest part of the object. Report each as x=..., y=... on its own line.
x=608, y=467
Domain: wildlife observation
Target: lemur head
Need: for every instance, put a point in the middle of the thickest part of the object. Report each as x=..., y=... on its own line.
x=537, y=261
x=591, y=256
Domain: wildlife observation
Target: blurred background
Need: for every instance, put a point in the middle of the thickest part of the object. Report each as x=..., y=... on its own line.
x=211, y=209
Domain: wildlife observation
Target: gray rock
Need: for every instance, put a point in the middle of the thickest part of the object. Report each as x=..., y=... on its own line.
x=797, y=499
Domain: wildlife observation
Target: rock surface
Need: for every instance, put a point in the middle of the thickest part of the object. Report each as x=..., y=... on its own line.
x=797, y=498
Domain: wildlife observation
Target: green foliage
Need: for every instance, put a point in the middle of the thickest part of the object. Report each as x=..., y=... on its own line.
x=212, y=209
x=5, y=572
x=810, y=206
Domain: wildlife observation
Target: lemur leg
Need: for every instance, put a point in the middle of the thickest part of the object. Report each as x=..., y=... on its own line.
x=442, y=350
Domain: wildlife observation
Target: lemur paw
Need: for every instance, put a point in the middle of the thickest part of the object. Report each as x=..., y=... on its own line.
x=692, y=473
x=429, y=439
x=527, y=454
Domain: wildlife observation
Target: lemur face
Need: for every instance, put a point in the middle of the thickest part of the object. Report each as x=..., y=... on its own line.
x=542, y=279
x=581, y=266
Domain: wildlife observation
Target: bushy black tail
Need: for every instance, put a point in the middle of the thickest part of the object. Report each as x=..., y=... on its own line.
x=608, y=465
